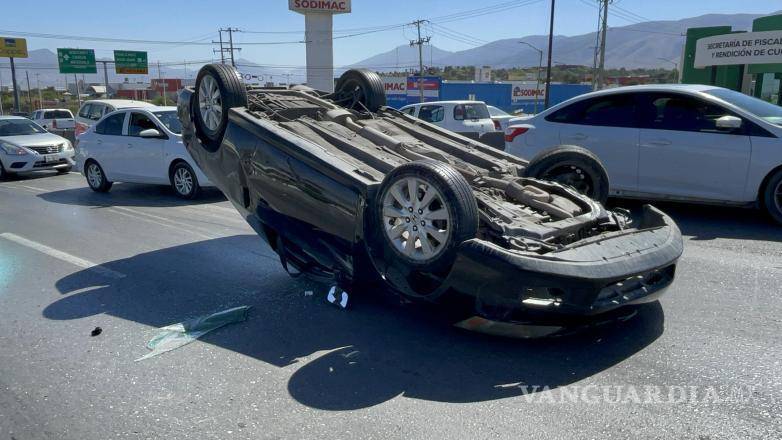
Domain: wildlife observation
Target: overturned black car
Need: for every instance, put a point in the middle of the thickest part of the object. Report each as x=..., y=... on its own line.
x=348, y=190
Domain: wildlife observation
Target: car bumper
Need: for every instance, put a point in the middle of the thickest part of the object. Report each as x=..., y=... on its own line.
x=604, y=273
x=37, y=162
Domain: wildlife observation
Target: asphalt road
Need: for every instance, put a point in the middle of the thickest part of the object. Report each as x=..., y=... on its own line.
x=704, y=363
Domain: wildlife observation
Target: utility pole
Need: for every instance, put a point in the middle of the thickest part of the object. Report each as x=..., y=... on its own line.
x=600, y=83
x=105, y=76
x=38, y=86
x=163, y=83
x=13, y=81
x=1, y=93
x=548, y=66
x=420, y=42
x=230, y=47
x=78, y=91
x=29, y=97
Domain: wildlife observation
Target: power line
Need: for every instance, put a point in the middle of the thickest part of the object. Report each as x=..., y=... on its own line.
x=131, y=41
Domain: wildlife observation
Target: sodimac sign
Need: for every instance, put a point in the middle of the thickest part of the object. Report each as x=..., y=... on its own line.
x=320, y=6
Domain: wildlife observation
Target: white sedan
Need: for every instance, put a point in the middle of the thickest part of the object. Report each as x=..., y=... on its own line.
x=693, y=143
x=26, y=146
x=139, y=145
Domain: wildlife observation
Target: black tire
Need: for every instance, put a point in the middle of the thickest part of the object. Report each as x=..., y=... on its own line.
x=360, y=89
x=99, y=183
x=3, y=173
x=64, y=170
x=572, y=166
x=184, y=188
x=233, y=93
x=772, y=196
x=453, y=194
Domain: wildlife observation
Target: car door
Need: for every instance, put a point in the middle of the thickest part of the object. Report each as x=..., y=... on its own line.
x=107, y=145
x=432, y=113
x=607, y=126
x=684, y=154
x=144, y=156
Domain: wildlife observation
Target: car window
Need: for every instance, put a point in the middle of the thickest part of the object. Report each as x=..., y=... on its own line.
x=170, y=120
x=85, y=110
x=607, y=111
x=111, y=125
x=138, y=123
x=470, y=111
x=431, y=113
x=57, y=114
x=96, y=112
x=35, y=115
x=667, y=111
x=409, y=110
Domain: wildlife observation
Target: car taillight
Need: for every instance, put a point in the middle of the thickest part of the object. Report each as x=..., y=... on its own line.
x=497, y=125
x=511, y=133
x=80, y=128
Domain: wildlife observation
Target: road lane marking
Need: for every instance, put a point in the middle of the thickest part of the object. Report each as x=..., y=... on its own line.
x=64, y=256
x=161, y=221
x=34, y=188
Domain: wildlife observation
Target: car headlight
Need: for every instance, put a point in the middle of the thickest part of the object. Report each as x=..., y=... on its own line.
x=66, y=146
x=13, y=149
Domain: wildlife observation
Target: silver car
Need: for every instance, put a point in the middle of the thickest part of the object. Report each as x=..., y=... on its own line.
x=26, y=146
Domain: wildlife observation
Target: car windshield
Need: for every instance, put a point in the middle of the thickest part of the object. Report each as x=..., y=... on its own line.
x=758, y=107
x=494, y=111
x=170, y=120
x=18, y=127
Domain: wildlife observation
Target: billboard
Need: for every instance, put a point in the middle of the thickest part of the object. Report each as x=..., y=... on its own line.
x=739, y=48
x=431, y=86
x=321, y=6
x=396, y=90
x=76, y=60
x=522, y=91
x=131, y=62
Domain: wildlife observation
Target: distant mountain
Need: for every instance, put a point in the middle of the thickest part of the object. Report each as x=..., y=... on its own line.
x=404, y=57
x=635, y=46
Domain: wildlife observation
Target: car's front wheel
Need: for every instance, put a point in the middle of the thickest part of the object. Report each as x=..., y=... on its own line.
x=96, y=178
x=184, y=181
x=772, y=196
x=573, y=166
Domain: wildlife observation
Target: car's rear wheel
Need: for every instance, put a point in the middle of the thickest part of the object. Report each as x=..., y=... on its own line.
x=218, y=89
x=423, y=211
x=184, y=181
x=361, y=90
x=572, y=166
x=96, y=178
x=772, y=196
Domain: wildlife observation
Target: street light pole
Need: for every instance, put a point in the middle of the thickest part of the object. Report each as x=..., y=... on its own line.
x=675, y=68
x=540, y=67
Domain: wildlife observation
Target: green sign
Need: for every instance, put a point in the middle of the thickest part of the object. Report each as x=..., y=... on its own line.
x=131, y=62
x=76, y=60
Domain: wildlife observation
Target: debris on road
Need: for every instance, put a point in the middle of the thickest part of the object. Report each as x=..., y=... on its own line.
x=308, y=293
x=182, y=333
x=332, y=297
x=96, y=331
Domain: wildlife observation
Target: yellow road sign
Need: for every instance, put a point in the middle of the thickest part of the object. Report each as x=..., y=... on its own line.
x=13, y=47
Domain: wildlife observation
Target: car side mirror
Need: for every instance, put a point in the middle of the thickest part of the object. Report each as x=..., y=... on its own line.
x=728, y=122
x=150, y=133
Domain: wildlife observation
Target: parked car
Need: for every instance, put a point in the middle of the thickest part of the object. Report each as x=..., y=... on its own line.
x=91, y=111
x=54, y=118
x=352, y=192
x=499, y=117
x=25, y=147
x=462, y=117
x=692, y=143
x=139, y=145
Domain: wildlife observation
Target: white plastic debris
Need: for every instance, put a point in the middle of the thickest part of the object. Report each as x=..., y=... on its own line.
x=308, y=293
x=332, y=297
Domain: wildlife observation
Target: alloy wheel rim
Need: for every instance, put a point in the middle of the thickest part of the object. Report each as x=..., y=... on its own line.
x=183, y=181
x=778, y=196
x=210, y=103
x=571, y=175
x=416, y=219
x=94, y=176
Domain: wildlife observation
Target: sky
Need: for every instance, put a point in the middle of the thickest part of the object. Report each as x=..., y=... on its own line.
x=198, y=20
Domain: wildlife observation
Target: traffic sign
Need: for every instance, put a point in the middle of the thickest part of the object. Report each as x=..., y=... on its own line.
x=76, y=60
x=13, y=47
x=131, y=62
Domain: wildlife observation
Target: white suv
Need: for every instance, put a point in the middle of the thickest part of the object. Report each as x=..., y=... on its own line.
x=463, y=117
x=91, y=111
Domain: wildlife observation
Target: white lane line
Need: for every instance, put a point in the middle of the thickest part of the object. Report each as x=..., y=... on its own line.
x=161, y=221
x=34, y=188
x=64, y=256
x=17, y=189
